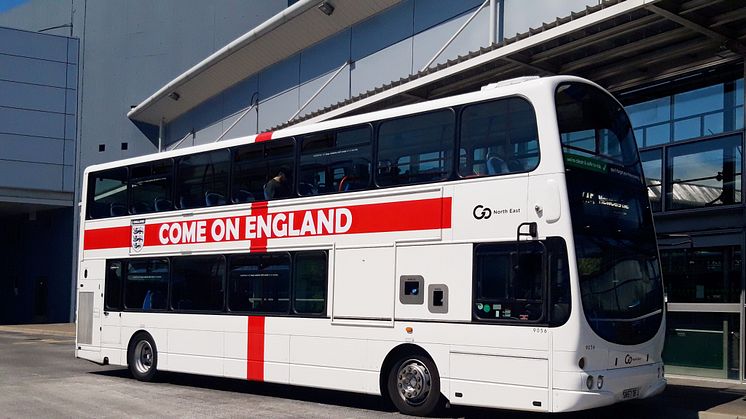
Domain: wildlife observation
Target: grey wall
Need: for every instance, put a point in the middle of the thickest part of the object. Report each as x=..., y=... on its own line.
x=132, y=48
x=38, y=98
x=393, y=44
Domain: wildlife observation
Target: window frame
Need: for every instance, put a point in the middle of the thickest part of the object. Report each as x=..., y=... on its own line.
x=372, y=130
x=120, y=299
x=168, y=286
x=459, y=119
x=230, y=265
x=325, y=309
x=222, y=282
x=178, y=180
x=91, y=192
x=456, y=121
x=292, y=193
x=172, y=185
x=543, y=320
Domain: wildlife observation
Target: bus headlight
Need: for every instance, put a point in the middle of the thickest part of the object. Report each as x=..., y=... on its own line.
x=600, y=382
x=589, y=382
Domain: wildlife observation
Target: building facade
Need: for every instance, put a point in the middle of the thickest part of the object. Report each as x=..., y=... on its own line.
x=69, y=73
x=38, y=108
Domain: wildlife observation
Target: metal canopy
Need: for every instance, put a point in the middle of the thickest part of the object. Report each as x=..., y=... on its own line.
x=618, y=44
x=294, y=29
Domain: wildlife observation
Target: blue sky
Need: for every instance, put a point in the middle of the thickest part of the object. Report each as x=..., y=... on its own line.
x=9, y=4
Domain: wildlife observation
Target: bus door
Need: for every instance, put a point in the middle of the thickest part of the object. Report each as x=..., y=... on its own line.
x=90, y=304
x=111, y=319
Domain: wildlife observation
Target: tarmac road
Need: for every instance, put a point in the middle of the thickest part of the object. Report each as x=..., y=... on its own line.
x=40, y=378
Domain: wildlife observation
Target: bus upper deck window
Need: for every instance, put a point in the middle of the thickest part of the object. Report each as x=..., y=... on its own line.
x=107, y=193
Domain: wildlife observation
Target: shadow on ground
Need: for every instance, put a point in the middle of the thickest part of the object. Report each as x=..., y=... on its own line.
x=677, y=401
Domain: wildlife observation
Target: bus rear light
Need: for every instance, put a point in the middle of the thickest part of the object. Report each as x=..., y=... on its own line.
x=600, y=382
x=589, y=382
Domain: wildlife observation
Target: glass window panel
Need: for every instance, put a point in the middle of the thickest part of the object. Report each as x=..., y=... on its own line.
x=113, y=286
x=738, y=117
x=509, y=283
x=498, y=137
x=146, y=284
x=107, y=193
x=309, y=284
x=702, y=275
x=651, y=112
x=150, y=187
x=687, y=128
x=260, y=283
x=416, y=149
x=202, y=179
x=713, y=123
x=702, y=344
x=333, y=162
x=699, y=101
x=652, y=167
x=657, y=134
x=263, y=171
x=704, y=174
x=197, y=283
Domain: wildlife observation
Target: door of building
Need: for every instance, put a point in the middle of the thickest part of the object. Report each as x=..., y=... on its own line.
x=704, y=279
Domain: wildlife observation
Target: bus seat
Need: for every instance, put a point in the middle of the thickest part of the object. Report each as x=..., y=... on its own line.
x=212, y=199
x=244, y=196
x=116, y=209
x=141, y=207
x=163, y=204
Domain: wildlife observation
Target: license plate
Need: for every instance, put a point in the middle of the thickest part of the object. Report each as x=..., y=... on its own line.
x=631, y=393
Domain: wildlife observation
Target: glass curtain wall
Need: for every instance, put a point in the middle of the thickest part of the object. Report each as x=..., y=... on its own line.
x=691, y=149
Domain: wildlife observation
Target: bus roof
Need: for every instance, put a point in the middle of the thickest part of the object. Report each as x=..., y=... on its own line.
x=489, y=92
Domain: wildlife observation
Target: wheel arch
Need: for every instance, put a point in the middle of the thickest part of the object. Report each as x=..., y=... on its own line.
x=132, y=338
x=391, y=358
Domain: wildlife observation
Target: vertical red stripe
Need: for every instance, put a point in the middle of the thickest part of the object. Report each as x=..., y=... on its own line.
x=255, y=349
x=259, y=244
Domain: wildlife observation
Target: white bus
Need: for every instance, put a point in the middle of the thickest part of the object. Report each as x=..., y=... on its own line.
x=490, y=249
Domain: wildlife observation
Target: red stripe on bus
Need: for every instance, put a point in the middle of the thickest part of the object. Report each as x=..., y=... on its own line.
x=259, y=244
x=265, y=136
x=255, y=349
x=424, y=214
x=105, y=238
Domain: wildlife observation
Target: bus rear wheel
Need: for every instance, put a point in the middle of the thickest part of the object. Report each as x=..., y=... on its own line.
x=142, y=357
x=414, y=385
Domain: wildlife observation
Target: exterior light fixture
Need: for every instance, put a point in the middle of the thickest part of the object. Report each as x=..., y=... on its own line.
x=174, y=96
x=326, y=7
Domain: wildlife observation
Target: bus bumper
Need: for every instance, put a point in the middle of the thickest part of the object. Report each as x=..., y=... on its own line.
x=618, y=385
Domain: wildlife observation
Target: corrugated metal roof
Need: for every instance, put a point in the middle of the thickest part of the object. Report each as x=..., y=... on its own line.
x=618, y=43
x=294, y=29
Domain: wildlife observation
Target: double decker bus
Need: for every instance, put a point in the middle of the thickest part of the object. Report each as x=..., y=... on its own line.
x=490, y=249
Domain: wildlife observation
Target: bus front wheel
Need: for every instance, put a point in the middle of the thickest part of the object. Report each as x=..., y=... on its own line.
x=414, y=385
x=142, y=357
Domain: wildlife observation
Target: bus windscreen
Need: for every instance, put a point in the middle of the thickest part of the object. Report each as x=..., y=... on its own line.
x=615, y=245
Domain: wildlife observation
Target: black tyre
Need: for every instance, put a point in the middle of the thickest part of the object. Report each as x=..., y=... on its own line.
x=142, y=357
x=414, y=385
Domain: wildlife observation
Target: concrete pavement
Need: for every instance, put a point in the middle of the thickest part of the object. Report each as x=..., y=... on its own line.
x=39, y=377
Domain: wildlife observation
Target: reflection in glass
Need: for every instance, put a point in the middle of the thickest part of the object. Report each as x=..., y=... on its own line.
x=702, y=275
x=701, y=112
x=652, y=168
x=704, y=174
x=702, y=344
